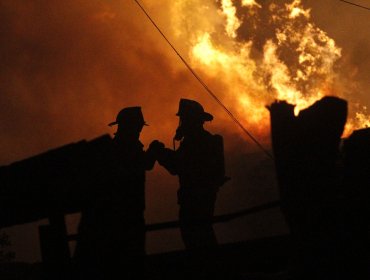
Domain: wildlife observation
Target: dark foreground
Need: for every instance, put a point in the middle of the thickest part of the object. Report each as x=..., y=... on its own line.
x=266, y=258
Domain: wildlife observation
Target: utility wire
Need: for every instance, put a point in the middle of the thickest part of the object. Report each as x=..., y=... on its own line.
x=354, y=4
x=205, y=85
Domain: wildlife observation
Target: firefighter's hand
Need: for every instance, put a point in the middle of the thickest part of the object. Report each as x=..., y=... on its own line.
x=156, y=146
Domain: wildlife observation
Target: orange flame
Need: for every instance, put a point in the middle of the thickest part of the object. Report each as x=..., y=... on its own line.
x=297, y=63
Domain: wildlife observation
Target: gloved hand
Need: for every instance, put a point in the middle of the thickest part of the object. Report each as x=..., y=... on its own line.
x=156, y=146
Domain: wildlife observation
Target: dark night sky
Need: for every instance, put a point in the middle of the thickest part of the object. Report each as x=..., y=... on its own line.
x=67, y=67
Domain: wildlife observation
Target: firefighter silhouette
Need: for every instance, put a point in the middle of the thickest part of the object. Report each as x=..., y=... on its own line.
x=112, y=227
x=199, y=164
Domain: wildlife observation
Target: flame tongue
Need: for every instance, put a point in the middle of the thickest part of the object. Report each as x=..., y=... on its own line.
x=232, y=22
x=296, y=60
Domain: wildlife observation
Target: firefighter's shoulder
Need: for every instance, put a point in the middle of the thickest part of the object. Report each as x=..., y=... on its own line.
x=218, y=139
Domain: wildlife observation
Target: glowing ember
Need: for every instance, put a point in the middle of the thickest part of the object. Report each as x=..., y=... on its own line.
x=363, y=119
x=295, y=10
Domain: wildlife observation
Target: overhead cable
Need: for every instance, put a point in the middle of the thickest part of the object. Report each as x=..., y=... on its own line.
x=231, y=115
x=354, y=4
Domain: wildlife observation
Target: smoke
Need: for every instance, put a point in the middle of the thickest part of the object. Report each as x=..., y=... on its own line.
x=67, y=68
x=346, y=24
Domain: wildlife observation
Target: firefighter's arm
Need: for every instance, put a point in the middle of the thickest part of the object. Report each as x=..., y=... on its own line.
x=151, y=155
x=167, y=158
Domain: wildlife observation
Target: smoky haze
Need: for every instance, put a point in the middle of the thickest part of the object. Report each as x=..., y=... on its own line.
x=67, y=68
x=347, y=25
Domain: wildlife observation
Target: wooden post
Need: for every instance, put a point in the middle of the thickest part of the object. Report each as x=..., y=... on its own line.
x=55, y=251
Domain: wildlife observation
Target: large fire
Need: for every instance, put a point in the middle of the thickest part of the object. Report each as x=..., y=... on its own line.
x=296, y=61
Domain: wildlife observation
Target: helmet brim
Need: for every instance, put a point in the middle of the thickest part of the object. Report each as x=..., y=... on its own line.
x=116, y=123
x=204, y=116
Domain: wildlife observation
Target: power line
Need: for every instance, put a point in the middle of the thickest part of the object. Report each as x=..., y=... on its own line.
x=205, y=85
x=354, y=4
